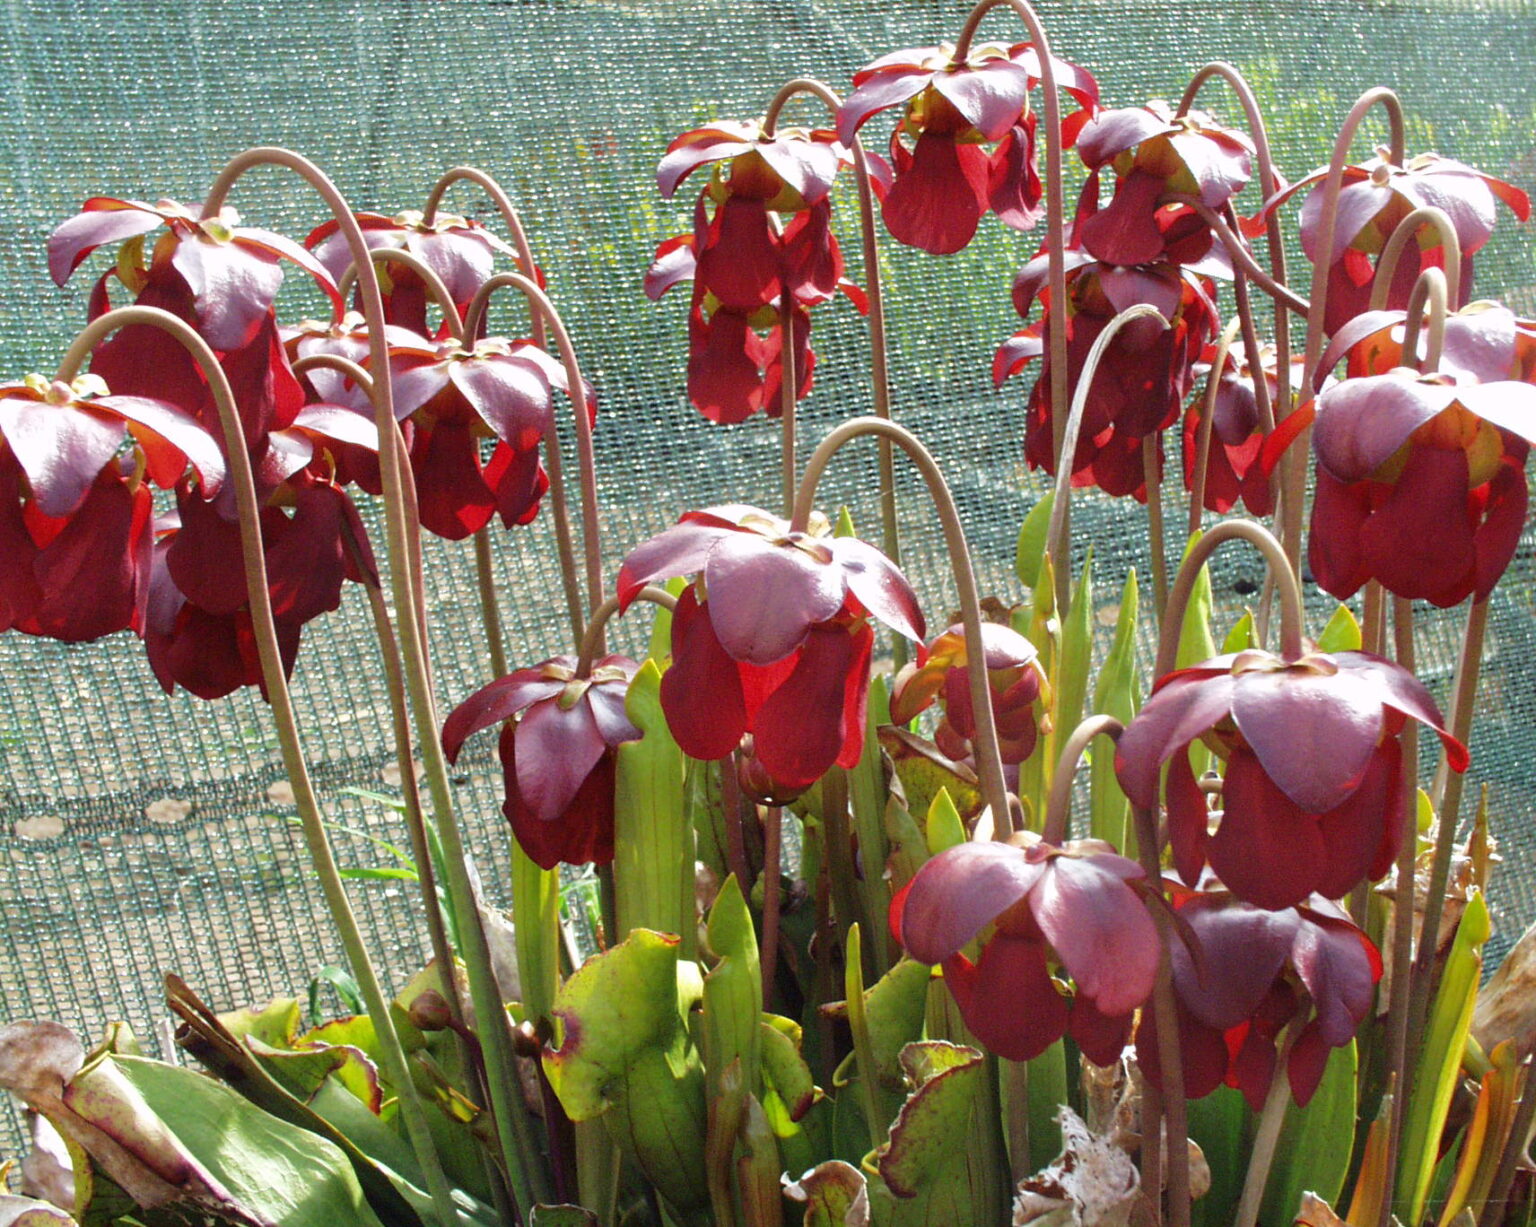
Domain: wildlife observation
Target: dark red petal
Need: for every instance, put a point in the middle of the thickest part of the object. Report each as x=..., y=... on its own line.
x=1419, y=541
x=1361, y=422
x=1126, y=231
x=454, y=499
x=1339, y=513
x=18, y=586
x=585, y=832
x=1241, y=950
x=1401, y=690
x=1267, y=850
x=171, y=438
x=268, y=396
x=511, y=397
x=725, y=375
x=234, y=288
x=937, y=201
x=1101, y=930
x=463, y=262
x=698, y=148
x=1008, y=999
x=877, y=91
x=739, y=263
x=809, y=166
x=518, y=481
x=1498, y=536
x=1114, y=131
x=672, y=263
x=1360, y=200
x=679, y=550
x=499, y=701
x=306, y=564
x=1189, y=817
x=763, y=596
x=94, y=574
x=205, y=559
x=1178, y=712
x=1253, y=1067
x=1102, y=1037
x=556, y=748
x=1013, y=180
x=1313, y=733
x=855, y=704
x=1360, y=834
x=1202, y=1051
x=61, y=448
x=799, y=731
x=1339, y=967
x=813, y=264
x=957, y=893
x=1304, y=1067
x=701, y=691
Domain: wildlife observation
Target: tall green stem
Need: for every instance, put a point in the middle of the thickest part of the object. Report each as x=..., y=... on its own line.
x=515, y=1130
x=275, y=681
x=1271, y=1117
x=989, y=761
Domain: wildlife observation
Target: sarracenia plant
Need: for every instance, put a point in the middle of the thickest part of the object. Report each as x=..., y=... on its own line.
x=854, y=965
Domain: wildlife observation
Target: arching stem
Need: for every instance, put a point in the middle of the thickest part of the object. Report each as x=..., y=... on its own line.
x=1059, y=533
x=275, y=682
x=541, y=308
x=592, y=641
x=514, y=1128
x=1242, y=256
x=1184, y=582
x=879, y=360
x=435, y=285
x=1058, y=809
x=989, y=762
x=1407, y=229
x=1294, y=463
x=1427, y=302
x=1055, y=209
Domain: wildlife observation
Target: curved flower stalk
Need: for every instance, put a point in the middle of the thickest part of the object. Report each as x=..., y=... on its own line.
x=773, y=639
x=76, y=513
x=1074, y=906
x=242, y=482
x=514, y=1129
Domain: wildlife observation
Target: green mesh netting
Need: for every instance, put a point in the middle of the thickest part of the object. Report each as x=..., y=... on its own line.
x=138, y=831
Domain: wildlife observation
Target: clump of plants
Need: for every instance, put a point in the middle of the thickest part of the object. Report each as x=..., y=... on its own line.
x=856, y=962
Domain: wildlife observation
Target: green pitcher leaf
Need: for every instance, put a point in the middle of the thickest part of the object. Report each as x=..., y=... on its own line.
x=835, y=1195
x=29, y=1212
x=788, y=1083
x=1342, y=634
x=1069, y=680
x=1219, y=1124
x=944, y=827
x=1242, y=636
x=731, y=1035
x=1117, y=693
x=562, y=1216
x=621, y=1053
x=923, y=771
x=867, y=795
x=1195, y=642
x=1031, y=544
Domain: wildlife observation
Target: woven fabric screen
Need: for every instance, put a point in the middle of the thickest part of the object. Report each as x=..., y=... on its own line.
x=142, y=833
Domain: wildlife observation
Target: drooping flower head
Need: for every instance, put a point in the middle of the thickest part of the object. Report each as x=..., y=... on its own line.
x=1152, y=155
x=1255, y=973
x=945, y=178
x=1420, y=483
x=1311, y=794
x=1236, y=470
x=1072, y=907
x=557, y=753
x=1013, y=677
x=76, y=511
x=762, y=238
x=458, y=249
x=1375, y=197
x=773, y=638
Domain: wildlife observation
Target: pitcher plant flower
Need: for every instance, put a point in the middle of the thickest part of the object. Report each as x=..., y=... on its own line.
x=1420, y=483
x=76, y=512
x=1034, y=906
x=1253, y=974
x=557, y=749
x=945, y=180
x=1311, y=793
x=773, y=638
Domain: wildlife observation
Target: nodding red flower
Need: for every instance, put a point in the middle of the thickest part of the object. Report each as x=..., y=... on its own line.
x=1236, y=470
x=1256, y=973
x=1311, y=795
x=1153, y=154
x=1142, y=378
x=1420, y=484
x=773, y=638
x=945, y=180
x=1013, y=676
x=557, y=752
x=232, y=272
x=198, y=629
x=75, y=505
x=458, y=249
x=744, y=263
x=1073, y=907
x=1484, y=342
x=1376, y=196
